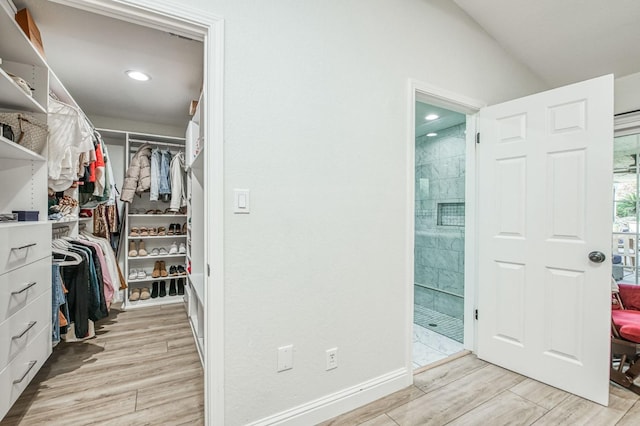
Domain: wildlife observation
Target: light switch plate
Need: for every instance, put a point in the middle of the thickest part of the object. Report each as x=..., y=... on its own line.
x=241, y=201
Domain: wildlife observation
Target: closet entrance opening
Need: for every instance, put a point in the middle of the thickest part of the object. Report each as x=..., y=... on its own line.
x=439, y=233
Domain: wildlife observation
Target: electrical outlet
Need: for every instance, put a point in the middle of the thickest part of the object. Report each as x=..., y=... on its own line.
x=285, y=358
x=332, y=358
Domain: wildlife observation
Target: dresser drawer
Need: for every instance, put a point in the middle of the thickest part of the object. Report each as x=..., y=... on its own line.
x=22, y=286
x=16, y=376
x=17, y=332
x=23, y=243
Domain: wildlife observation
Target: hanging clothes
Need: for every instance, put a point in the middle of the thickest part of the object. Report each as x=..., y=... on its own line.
x=178, y=181
x=138, y=176
x=155, y=174
x=164, y=185
x=70, y=137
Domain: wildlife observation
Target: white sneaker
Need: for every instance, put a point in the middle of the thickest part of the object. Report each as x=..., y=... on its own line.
x=141, y=274
x=182, y=249
x=174, y=248
x=133, y=274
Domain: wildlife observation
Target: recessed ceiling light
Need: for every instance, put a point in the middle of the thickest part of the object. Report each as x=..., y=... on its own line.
x=432, y=117
x=432, y=134
x=138, y=75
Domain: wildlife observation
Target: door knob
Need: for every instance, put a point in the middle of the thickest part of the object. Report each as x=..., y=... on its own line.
x=597, y=257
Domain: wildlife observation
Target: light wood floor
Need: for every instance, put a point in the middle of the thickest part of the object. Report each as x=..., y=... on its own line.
x=469, y=391
x=142, y=368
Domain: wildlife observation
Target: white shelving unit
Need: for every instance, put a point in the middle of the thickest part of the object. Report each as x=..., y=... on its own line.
x=25, y=251
x=196, y=252
x=137, y=220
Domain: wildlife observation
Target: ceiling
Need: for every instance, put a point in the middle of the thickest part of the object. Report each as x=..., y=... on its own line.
x=90, y=54
x=564, y=41
x=446, y=119
x=560, y=41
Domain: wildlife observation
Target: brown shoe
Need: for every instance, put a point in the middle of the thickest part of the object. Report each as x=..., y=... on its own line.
x=156, y=270
x=163, y=269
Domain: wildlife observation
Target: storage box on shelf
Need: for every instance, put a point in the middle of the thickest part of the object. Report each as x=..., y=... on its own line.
x=19, y=57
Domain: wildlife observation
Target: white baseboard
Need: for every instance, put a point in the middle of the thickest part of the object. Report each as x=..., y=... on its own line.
x=332, y=405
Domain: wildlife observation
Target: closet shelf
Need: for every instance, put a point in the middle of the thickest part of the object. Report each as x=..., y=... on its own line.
x=149, y=279
x=197, y=283
x=23, y=223
x=13, y=97
x=15, y=44
x=13, y=151
x=156, y=237
x=157, y=215
x=64, y=220
x=167, y=300
x=160, y=257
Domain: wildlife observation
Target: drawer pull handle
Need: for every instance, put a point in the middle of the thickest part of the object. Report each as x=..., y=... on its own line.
x=26, y=373
x=29, y=327
x=25, y=288
x=24, y=247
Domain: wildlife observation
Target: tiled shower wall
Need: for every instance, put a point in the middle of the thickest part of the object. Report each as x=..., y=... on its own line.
x=439, y=250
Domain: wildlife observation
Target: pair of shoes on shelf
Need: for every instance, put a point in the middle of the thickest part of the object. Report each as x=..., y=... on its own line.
x=159, y=251
x=162, y=231
x=176, y=286
x=174, y=229
x=175, y=249
x=175, y=270
x=139, y=294
x=137, y=249
x=139, y=274
x=158, y=289
x=159, y=269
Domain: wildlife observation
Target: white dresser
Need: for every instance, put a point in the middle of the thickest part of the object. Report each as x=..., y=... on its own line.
x=25, y=306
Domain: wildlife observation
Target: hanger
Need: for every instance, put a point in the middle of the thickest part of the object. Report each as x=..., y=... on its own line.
x=66, y=253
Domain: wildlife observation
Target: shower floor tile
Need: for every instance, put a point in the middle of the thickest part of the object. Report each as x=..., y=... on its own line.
x=438, y=322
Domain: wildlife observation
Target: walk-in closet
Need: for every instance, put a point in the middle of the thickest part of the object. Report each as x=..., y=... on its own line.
x=102, y=206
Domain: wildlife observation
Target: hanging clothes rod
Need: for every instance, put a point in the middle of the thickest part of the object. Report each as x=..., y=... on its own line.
x=179, y=145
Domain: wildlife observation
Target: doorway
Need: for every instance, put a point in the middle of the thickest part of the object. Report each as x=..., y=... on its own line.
x=197, y=24
x=626, y=149
x=439, y=233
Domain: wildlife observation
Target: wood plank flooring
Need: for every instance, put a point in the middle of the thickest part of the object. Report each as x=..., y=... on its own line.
x=468, y=391
x=142, y=368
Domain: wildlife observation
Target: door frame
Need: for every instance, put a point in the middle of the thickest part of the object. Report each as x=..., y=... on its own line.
x=171, y=16
x=437, y=96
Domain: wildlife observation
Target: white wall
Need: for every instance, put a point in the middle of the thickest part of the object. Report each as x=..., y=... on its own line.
x=137, y=126
x=316, y=128
x=627, y=93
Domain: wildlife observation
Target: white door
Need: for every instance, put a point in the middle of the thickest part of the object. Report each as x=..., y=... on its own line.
x=545, y=189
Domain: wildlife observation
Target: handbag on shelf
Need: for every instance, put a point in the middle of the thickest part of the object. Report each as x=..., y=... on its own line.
x=28, y=131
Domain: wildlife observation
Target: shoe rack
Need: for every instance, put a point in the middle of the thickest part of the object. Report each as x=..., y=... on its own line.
x=156, y=244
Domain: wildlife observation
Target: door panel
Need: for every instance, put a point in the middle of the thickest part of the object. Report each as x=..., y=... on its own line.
x=544, y=185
